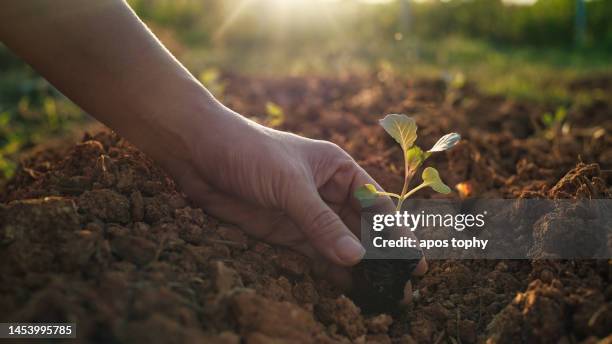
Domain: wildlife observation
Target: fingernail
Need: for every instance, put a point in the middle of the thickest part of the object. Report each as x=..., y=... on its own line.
x=349, y=250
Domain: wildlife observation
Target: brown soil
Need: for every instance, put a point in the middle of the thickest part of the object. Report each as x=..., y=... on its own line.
x=97, y=234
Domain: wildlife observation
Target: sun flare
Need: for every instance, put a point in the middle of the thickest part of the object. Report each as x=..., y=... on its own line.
x=281, y=14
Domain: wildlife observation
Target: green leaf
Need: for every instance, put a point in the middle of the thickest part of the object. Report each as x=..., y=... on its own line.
x=414, y=157
x=402, y=128
x=431, y=178
x=446, y=142
x=366, y=194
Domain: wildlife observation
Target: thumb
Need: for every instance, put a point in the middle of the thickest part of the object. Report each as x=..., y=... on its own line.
x=323, y=227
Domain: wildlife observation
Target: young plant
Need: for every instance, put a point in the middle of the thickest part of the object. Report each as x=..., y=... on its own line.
x=554, y=124
x=404, y=130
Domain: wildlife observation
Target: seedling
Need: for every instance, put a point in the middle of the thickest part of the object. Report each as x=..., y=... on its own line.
x=554, y=124
x=404, y=130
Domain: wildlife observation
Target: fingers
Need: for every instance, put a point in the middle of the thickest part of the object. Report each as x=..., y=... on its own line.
x=258, y=223
x=350, y=218
x=360, y=178
x=339, y=190
x=384, y=205
x=345, y=178
x=323, y=227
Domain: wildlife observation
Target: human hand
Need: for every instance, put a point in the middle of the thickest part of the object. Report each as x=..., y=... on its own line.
x=281, y=188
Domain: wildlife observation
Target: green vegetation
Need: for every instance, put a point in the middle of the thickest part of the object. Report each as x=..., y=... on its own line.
x=546, y=23
x=524, y=52
x=404, y=130
x=31, y=111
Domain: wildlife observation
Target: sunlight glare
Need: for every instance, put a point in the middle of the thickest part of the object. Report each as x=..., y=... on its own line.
x=281, y=14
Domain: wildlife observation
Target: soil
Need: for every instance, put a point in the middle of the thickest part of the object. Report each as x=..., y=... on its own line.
x=95, y=233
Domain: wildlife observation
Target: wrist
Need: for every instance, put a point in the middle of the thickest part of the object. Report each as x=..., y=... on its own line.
x=201, y=133
x=169, y=128
x=219, y=133
x=186, y=128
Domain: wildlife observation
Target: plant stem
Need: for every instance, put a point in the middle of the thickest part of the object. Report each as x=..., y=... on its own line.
x=390, y=194
x=407, y=177
x=415, y=190
x=403, y=198
x=399, y=204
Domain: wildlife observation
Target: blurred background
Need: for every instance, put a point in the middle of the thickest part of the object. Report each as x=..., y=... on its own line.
x=523, y=49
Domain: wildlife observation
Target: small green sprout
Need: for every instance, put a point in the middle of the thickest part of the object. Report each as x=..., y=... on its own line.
x=404, y=130
x=554, y=124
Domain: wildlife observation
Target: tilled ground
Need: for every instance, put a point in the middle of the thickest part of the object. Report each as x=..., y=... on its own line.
x=97, y=234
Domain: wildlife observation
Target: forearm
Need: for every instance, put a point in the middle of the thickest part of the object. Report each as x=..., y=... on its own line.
x=100, y=55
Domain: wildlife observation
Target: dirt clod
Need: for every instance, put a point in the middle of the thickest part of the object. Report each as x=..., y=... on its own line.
x=105, y=205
